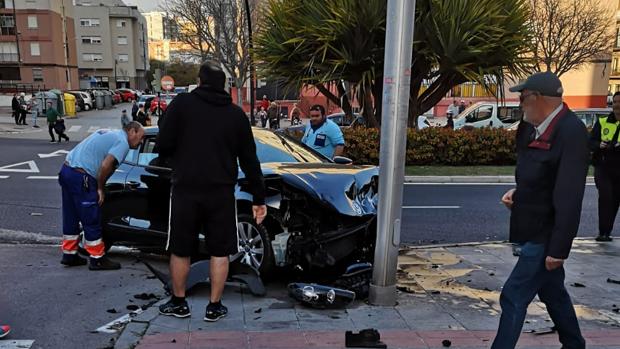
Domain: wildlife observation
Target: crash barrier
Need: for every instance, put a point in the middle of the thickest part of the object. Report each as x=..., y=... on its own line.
x=435, y=146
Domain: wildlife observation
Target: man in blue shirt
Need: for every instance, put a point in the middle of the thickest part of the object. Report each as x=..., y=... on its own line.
x=82, y=179
x=322, y=134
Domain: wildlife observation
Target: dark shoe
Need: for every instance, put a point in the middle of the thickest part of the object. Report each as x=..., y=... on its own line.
x=103, y=263
x=36, y=126
x=603, y=238
x=4, y=330
x=215, y=312
x=53, y=141
x=72, y=260
x=177, y=310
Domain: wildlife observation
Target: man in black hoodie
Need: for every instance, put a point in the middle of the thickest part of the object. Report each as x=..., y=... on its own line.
x=205, y=135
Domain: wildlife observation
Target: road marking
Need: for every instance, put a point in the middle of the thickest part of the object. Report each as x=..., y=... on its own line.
x=92, y=129
x=32, y=167
x=431, y=207
x=475, y=184
x=42, y=177
x=74, y=128
x=59, y=152
x=4, y=177
x=15, y=344
x=115, y=326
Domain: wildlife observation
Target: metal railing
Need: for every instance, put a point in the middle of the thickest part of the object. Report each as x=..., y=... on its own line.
x=18, y=87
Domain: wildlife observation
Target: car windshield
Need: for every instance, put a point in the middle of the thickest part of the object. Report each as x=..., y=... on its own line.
x=277, y=147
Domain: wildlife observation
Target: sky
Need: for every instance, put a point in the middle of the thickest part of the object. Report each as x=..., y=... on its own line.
x=145, y=5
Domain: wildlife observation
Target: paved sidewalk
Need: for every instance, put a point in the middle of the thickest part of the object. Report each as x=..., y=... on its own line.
x=446, y=293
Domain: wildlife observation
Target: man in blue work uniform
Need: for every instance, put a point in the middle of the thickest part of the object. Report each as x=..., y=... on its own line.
x=552, y=163
x=322, y=134
x=82, y=179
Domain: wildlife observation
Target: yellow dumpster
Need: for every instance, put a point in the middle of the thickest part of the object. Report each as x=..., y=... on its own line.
x=69, y=105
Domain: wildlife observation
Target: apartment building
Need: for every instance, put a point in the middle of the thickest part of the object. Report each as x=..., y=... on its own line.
x=163, y=36
x=35, y=46
x=111, y=44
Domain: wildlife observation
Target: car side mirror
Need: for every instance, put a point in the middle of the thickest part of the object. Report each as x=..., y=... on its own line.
x=341, y=160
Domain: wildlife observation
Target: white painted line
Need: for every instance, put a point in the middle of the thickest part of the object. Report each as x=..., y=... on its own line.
x=431, y=207
x=92, y=129
x=451, y=183
x=74, y=128
x=32, y=167
x=16, y=344
x=59, y=152
x=42, y=177
x=4, y=177
x=115, y=325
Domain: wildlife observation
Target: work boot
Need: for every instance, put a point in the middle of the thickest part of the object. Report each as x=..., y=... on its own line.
x=603, y=238
x=72, y=260
x=103, y=263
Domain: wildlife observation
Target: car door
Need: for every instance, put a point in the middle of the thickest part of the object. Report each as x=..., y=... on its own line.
x=148, y=191
x=480, y=117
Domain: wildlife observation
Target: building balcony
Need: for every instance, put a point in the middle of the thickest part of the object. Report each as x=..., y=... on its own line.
x=9, y=58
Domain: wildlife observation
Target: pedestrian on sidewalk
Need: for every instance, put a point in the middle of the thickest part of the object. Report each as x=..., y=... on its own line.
x=606, y=160
x=23, y=109
x=295, y=115
x=15, y=108
x=203, y=192
x=36, y=108
x=134, y=108
x=82, y=179
x=142, y=117
x=4, y=330
x=125, y=120
x=552, y=163
x=273, y=117
x=262, y=114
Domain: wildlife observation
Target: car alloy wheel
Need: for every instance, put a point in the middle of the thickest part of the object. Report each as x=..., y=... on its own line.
x=254, y=248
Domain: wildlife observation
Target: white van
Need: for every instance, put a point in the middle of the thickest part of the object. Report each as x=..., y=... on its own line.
x=489, y=114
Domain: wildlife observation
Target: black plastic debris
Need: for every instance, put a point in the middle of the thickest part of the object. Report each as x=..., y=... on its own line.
x=542, y=331
x=446, y=343
x=368, y=338
x=435, y=292
x=319, y=296
x=173, y=340
x=257, y=311
x=612, y=281
x=145, y=296
x=132, y=307
x=112, y=311
x=577, y=284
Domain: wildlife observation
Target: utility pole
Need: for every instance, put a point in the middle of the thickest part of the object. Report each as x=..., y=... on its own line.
x=396, y=81
x=252, y=67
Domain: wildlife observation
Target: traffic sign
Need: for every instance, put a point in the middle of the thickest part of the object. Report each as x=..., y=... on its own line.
x=167, y=83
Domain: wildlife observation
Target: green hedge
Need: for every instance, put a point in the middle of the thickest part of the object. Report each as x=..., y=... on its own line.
x=436, y=146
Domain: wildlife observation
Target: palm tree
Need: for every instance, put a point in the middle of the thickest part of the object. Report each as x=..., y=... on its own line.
x=326, y=43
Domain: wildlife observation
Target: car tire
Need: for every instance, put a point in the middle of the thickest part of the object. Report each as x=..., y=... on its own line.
x=252, y=239
x=86, y=107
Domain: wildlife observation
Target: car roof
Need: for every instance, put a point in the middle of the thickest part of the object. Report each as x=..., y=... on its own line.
x=153, y=130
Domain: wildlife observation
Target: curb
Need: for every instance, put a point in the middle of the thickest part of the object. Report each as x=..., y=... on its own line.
x=468, y=179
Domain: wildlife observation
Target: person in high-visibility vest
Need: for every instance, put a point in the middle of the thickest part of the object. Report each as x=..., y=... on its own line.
x=606, y=160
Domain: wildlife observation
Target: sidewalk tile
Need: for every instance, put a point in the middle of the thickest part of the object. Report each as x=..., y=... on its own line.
x=402, y=339
x=173, y=339
x=377, y=317
x=171, y=323
x=218, y=339
x=277, y=340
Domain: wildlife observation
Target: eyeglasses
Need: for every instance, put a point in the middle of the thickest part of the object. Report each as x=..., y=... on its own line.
x=315, y=115
x=524, y=96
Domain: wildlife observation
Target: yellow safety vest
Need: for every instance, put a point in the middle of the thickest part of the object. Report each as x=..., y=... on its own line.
x=608, y=129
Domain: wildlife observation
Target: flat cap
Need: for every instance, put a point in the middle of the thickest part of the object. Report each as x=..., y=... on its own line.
x=545, y=83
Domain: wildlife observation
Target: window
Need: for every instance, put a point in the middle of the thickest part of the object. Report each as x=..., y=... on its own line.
x=91, y=39
x=89, y=22
x=147, y=154
x=121, y=23
x=480, y=114
x=510, y=114
x=32, y=22
x=8, y=52
x=35, y=49
x=92, y=57
x=618, y=37
x=122, y=40
x=7, y=25
x=122, y=57
x=6, y=3
x=37, y=74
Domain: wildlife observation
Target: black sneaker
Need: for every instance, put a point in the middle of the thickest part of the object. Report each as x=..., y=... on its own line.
x=176, y=310
x=604, y=238
x=103, y=263
x=72, y=260
x=215, y=312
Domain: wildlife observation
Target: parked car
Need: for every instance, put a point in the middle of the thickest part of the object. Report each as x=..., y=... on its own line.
x=88, y=99
x=180, y=89
x=161, y=104
x=321, y=214
x=116, y=97
x=587, y=115
x=339, y=118
x=127, y=94
x=489, y=114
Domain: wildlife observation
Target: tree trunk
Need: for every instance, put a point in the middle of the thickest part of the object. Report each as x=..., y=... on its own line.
x=346, y=102
x=325, y=92
x=377, y=91
x=368, y=111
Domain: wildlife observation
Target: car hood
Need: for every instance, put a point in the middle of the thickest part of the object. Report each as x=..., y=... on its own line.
x=348, y=189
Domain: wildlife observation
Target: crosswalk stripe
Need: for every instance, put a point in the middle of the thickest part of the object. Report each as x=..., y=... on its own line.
x=4, y=177
x=96, y=128
x=15, y=344
x=93, y=129
x=74, y=128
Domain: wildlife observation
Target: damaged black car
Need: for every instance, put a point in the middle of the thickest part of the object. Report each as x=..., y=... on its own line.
x=321, y=214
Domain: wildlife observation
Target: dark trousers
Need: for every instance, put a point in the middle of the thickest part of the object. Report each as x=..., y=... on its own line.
x=608, y=185
x=16, y=116
x=22, y=117
x=529, y=278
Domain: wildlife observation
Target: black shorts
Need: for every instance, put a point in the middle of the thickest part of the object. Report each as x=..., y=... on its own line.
x=212, y=213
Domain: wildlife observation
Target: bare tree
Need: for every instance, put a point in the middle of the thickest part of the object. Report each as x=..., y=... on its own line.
x=567, y=34
x=217, y=29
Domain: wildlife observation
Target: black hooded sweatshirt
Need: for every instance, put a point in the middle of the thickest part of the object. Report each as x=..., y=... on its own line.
x=205, y=134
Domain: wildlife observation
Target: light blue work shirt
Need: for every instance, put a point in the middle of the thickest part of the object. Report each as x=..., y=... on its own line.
x=89, y=154
x=324, y=139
